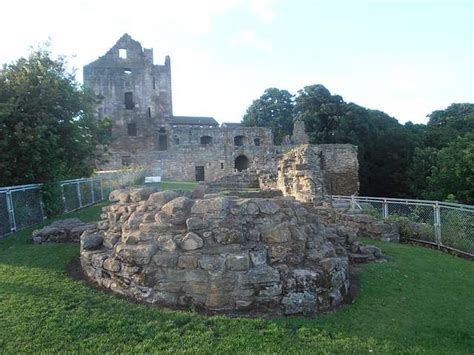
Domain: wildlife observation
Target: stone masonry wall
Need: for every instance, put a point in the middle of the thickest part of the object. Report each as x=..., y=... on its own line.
x=341, y=167
x=180, y=248
x=112, y=76
x=300, y=175
x=313, y=172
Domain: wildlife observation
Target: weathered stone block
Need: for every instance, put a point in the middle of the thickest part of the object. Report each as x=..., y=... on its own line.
x=136, y=254
x=166, y=243
x=142, y=193
x=112, y=264
x=194, y=224
x=191, y=241
x=92, y=239
x=165, y=259
x=187, y=262
x=279, y=233
x=258, y=257
x=179, y=204
x=299, y=302
x=267, y=207
x=213, y=206
x=226, y=236
x=263, y=274
x=238, y=262
x=273, y=290
x=162, y=197
x=212, y=263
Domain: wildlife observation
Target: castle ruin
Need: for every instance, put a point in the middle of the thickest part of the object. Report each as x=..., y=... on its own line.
x=136, y=95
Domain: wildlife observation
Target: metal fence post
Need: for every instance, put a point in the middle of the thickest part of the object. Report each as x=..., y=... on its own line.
x=385, y=209
x=11, y=211
x=437, y=220
x=101, y=189
x=78, y=188
x=92, y=190
x=63, y=195
x=353, y=205
x=42, y=205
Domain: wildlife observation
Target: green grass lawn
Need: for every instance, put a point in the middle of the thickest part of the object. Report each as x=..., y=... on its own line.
x=419, y=301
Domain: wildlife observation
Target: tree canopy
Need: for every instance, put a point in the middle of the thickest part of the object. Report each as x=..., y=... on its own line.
x=384, y=146
x=443, y=167
x=411, y=160
x=274, y=109
x=47, y=127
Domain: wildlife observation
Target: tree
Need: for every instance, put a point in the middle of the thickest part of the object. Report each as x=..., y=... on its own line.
x=274, y=109
x=321, y=112
x=452, y=176
x=47, y=127
x=384, y=146
x=440, y=168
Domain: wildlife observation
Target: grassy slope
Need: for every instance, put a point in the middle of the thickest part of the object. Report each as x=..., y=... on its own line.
x=419, y=301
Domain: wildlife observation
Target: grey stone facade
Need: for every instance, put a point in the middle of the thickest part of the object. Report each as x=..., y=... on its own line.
x=136, y=95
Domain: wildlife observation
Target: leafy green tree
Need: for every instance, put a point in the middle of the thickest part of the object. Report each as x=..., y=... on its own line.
x=384, y=146
x=47, y=127
x=452, y=176
x=420, y=169
x=321, y=112
x=444, y=126
x=274, y=109
x=437, y=169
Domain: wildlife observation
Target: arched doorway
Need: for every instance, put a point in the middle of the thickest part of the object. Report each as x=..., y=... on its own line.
x=241, y=163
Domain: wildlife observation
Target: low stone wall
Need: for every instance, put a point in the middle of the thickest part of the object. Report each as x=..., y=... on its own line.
x=370, y=227
x=66, y=230
x=221, y=253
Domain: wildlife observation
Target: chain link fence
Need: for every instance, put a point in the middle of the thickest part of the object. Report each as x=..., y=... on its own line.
x=22, y=206
x=445, y=225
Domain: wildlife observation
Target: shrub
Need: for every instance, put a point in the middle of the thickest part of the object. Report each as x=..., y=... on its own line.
x=52, y=199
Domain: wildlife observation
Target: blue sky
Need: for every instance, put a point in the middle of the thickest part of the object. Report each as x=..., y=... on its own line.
x=406, y=58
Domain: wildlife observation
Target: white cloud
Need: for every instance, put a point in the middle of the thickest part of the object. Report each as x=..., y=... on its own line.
x=263, y=9
x=250, y=38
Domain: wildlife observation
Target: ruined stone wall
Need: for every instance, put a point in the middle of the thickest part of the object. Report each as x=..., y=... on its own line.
x=299, y=135
x=341, y=167
x=313, y=172
x=179, y=162
x=300, y=175
x=144, y=134
x=112, y=76
x=252, y=136
x=220, y=253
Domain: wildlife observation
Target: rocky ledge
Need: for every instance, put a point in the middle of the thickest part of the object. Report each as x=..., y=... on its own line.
x=173, y=248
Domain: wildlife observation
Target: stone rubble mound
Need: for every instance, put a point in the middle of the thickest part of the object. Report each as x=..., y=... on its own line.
x=215, y=252
x=66, y=230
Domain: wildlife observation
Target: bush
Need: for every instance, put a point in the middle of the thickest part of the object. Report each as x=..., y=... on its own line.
x=52, y=199
x=413, y=230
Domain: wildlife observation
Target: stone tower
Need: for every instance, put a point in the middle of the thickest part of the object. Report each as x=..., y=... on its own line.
x=136, y=95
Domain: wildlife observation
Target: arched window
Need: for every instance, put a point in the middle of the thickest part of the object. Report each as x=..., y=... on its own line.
x=239, y=141
x=241, y=163
x=206, y=140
